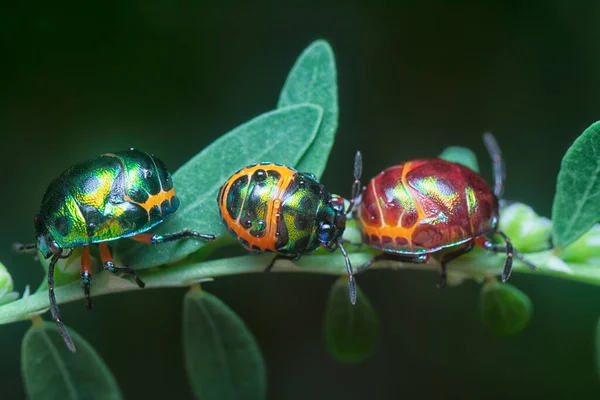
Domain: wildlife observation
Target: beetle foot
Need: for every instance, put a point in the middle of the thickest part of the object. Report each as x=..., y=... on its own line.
x=86, y=279
x=139, y=282
x=443, y=279
x=184, y=233
x=272, y=263
x=110, y=267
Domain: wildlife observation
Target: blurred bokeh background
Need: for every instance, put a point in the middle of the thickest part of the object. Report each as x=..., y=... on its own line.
x=82, y=78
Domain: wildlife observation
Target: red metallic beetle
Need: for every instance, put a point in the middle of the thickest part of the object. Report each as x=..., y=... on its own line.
x=423, y=206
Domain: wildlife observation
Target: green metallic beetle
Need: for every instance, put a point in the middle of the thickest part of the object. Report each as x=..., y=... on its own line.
x=114, y=196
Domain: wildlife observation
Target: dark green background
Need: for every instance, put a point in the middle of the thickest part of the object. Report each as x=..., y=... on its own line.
x=80, y=79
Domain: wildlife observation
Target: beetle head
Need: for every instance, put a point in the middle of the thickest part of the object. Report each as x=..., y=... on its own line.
x=330, y=231
x=45, y=241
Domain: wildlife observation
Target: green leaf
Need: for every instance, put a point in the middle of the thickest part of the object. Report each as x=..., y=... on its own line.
x=313, y=79
x=505, y=310
x=576, y=206
x=222, y=359
x=278, y=136
x=351, y=331
x=460, y=155
x=51, y=372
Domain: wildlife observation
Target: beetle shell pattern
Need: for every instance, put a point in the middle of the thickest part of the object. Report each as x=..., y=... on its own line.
x=269, y=207
x=112, y=196
x=425, y=205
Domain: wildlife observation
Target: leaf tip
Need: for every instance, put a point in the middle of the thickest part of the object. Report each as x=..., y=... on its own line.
x=320, y=44
x=312, y=106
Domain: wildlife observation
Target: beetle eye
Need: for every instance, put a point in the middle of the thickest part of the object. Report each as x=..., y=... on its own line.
x=325, y=232
x=337, y=203
x=54, y=247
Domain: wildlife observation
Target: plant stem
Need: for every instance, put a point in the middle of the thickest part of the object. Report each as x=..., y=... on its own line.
x=478, y=266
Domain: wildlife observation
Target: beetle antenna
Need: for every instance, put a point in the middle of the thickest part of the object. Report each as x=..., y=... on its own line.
x=356, y=185
x=25, y=248
x=54, y=306
x=496, y=155
x=351, y=283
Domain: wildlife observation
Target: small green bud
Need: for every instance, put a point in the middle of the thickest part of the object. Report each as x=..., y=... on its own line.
x=6, y=282
x=6, y=286
x=585, y=249
x=528, y=231
x=505, y=309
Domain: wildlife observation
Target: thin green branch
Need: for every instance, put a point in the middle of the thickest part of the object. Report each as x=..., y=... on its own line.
x=478, y=265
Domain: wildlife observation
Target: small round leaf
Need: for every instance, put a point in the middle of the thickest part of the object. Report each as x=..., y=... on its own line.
x=51, y=372
x=505, y=310
x=222, y=358
x=351, y=331
x=460, y=155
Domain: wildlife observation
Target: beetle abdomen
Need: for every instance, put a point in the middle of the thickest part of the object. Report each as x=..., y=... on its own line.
x=271, y=207
x=425, y=205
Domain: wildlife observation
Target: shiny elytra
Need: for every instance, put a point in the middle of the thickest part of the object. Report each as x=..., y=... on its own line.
x=109, y=197
x=270, y=207
x=422, y=206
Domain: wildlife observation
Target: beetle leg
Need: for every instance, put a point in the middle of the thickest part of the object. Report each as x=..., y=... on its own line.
x=331, y=246
x=447, y=257
x=86, y=275
x=334, y=246
x=405, y=258
x=508, y=249
x=150, y=238
x=109, y=265
x=272, y=263
x=292, y=257
x=502, y=249
x=346, y=241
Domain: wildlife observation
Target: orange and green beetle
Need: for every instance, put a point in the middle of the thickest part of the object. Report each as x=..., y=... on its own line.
x=269, y=207
x=117, y=195
x=423, y=206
